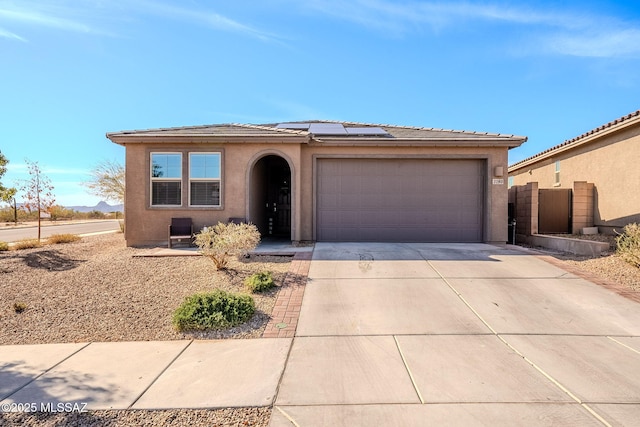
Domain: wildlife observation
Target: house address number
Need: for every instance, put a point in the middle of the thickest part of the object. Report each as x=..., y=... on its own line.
x=498, y=181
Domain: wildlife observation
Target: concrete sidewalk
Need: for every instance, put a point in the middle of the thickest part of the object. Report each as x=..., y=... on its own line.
x=144, y=374
x=388, y=334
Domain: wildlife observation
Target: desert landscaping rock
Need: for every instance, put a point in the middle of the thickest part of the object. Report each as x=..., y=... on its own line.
x=96, y=290
x=231, y=417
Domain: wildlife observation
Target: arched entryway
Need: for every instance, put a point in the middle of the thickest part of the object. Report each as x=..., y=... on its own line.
x=270, y=195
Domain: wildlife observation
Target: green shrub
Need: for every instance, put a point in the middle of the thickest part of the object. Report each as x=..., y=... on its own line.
x=629, y=244
x=63, y=238
x=26, y=244
x=259, y=282
x=19, y=307
x=225, y=240
x=4, y=246
x=213, y=310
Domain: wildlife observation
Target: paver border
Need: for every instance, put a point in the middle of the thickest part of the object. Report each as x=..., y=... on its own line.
x=591, y=277
x=286, y=311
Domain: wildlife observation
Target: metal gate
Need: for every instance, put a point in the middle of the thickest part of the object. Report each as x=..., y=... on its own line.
x=554, y=210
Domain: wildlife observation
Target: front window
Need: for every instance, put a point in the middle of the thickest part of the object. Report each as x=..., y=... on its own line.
x=557, y=173
x=166, y=179
x=204, y=179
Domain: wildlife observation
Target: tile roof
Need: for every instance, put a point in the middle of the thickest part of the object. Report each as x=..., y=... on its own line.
x=586, y=137
x=236, y=130
x=219, y=129
x=415, y=132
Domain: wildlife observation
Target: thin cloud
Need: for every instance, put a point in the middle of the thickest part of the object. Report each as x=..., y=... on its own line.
x=210, y=19
x=555, y=31
x=61, y=16
x=42, y=19
x=92, y=17
x=616, y=43
x=9, y=35
x=383, y=14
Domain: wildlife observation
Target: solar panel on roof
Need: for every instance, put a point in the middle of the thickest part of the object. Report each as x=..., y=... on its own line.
x=303, y=126
x=366, y=131
x=327, y=129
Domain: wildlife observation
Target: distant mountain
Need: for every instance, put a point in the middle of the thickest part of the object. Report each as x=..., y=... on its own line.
x=102, y=207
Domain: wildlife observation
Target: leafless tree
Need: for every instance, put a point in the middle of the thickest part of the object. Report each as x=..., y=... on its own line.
x=38, y=192
x=107, y=181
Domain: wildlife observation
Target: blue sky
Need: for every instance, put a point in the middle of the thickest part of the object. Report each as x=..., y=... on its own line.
x=72, y=70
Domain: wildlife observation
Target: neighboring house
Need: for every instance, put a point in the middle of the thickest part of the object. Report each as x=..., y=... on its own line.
x=319, y=181
x=604, y=164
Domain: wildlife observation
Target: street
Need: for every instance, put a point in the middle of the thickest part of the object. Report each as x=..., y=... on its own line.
x=13, y=234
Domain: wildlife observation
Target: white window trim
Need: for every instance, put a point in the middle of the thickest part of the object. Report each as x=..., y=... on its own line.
x=153, y=179
x=218, y=180
x=556, y=174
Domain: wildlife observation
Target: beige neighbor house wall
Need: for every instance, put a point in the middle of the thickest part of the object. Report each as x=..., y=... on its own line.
x=608, y=157
x=242, y=147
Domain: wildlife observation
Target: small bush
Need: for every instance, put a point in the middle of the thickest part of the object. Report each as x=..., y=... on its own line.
x=63, y=238
x=213, y=310
x=26, y=244
x=121, y=226
x=629, y=244
x=4, y=246
x=225, y=240
x=19, y=307
x=259, y=282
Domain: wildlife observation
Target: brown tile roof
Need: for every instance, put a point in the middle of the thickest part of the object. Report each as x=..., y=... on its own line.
x=414, y=132
x=220, y=129
x=249, y=131
x=586, y=137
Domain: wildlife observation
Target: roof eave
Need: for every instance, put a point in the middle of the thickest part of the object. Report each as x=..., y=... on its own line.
x=150, y=138
x=507, y=141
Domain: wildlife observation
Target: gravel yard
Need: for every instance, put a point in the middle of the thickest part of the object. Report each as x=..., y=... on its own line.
x=97, y=290
x=608, y=266
x=231, y=417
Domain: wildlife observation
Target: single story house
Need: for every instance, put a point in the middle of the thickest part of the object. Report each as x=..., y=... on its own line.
x=319, y=181
x=602, y=167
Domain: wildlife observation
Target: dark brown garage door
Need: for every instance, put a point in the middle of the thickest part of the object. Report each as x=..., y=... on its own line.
x=400, y=200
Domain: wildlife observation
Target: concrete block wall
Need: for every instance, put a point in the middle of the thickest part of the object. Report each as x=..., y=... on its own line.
x=582, y=206
x=526, y=201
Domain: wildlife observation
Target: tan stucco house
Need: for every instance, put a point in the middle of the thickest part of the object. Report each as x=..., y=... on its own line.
x=319, y=181
x=602, y=167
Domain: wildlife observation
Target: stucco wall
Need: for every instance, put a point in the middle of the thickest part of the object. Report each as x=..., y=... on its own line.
x=610, y=163
x=146, y=225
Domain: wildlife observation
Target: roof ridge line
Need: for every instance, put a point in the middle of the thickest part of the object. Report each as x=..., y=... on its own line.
x=271, y=129
x=431, y=129
x=173, y=128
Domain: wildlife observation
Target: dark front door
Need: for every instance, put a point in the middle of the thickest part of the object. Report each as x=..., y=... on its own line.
x=278, y=206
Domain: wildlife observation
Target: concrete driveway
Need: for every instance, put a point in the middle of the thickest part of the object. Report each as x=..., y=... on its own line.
x=452, y=334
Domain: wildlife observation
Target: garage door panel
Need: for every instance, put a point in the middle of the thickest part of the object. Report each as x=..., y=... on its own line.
x=400, y=200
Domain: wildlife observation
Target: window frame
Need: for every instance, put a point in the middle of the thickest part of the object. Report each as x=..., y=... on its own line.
x=190, y=179
x=153, y=179
x=556, y=174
